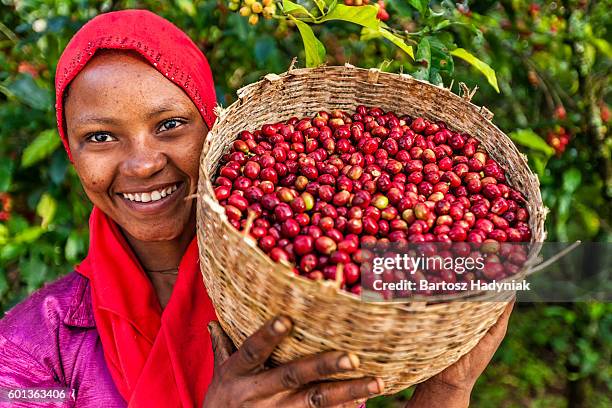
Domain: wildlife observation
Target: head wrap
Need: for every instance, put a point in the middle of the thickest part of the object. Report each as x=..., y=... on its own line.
x=156, y=358
x=160, y=42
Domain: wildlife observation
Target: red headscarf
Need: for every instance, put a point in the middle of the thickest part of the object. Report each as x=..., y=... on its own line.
x=156, y=359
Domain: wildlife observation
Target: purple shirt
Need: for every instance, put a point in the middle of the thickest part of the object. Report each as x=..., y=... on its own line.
x=50, y=340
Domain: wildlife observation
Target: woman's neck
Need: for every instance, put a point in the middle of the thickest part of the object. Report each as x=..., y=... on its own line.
x=161, y=259
x=160, y=255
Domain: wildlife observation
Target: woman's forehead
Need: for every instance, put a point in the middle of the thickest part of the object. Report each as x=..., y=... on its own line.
x=121, y=64
x=116, y=78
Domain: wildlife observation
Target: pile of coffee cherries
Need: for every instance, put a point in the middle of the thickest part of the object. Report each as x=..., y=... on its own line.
x=313, y=191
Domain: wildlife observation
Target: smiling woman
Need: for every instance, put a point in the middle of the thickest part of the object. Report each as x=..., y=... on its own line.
x=129, y=326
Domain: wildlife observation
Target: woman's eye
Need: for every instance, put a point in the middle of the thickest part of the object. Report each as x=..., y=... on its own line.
x=170, y=124
x=100, y=138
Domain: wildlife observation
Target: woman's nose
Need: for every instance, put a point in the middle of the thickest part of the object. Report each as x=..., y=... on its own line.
x=144, y=161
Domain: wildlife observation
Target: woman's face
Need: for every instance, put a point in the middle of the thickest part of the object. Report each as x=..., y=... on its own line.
x=135, y=139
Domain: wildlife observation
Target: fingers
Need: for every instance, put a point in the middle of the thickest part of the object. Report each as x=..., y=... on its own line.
x=222, y=345
x=298, y=373
x=330, y=394
x=497, y=332
x=490, y=342
x=257, y=348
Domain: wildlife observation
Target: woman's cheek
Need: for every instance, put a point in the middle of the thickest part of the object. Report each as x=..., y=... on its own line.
x=188, y=158
x=95, y=176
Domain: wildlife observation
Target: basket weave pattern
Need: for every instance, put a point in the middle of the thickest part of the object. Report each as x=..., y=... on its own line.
x=402, y=343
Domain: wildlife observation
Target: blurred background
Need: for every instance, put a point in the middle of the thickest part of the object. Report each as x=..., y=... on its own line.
x=542, y=67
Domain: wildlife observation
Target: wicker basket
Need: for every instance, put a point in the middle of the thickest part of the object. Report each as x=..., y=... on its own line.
x=402, y=343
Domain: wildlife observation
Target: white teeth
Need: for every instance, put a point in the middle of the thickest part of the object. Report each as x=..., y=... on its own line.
x=150, y=195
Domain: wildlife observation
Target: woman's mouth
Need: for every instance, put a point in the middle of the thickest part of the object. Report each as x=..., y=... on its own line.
x=154, y=200
x=148, y=196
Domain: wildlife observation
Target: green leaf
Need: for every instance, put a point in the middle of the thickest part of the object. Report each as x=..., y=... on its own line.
x=420, y=5
x=590, y=219
x=8, y=33
x=75, y=246
x=11, y=251
x=401, y=7
x=539, y=163
x=320, y=5
x=4, y=234
x=603, y=46
x=571, y=180
x=563, y=214
x=397, y=41
x=362, y=15
x=442, y=25
x=41, y=147
x=28, y=235
x=25, y=89
x=528, y=138
x=482, y=66
x=33, y=271
x=315, y=51
x=6, y=174
x=435, y=77
x=187, y=7
x=4, y=286
x=369, y=34
x=441, y=60
x=423, y=57
x=58, y=167
x=17, y=223
x=46, y=208
x=423, y=54
x=290, y=7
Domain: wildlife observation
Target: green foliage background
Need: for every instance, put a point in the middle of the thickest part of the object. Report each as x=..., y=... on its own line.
x=552, y=65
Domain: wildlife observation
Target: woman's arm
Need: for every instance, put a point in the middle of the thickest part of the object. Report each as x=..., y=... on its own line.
x=452, y=387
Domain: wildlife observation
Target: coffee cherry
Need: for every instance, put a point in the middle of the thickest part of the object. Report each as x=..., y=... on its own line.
x=303, y=244
x=325, y=245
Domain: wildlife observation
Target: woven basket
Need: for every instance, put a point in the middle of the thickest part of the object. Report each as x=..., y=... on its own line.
x=402, y=343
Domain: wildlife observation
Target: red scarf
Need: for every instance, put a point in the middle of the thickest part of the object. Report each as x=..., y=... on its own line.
x=156, y=359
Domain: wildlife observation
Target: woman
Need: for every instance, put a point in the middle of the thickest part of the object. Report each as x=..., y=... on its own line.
x=135, y=100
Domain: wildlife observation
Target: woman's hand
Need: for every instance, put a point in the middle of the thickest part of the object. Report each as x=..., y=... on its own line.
x=241, y=380
x=452, y=387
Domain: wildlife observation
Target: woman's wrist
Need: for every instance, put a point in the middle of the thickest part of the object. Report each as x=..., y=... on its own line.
x=434, y=393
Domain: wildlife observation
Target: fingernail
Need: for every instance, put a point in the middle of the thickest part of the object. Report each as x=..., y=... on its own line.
x=376, y=386
x=348, y=362
x=279, y=326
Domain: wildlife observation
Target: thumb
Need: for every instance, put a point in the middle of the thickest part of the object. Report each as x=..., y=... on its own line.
x=222, y=345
